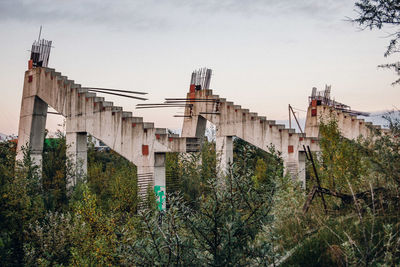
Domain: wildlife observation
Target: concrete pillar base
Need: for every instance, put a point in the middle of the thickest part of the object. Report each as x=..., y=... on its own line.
x=296, y=169
x=31, y=129
x=224, y=150
x=302, y=169
x=153, y=177
x=159, y=180
x=77, y=153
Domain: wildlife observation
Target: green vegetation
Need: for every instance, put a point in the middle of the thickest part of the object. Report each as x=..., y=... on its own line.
x=381, y=15
x=252, y=216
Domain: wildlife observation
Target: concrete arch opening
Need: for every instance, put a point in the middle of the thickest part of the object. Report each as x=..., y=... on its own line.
x=86, y=113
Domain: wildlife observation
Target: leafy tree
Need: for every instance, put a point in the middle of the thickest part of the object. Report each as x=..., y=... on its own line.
x=360, y=231
x=195, y=170
x=161, y=239
x=93, y=237
x=21, y=204
x=228, y=220
x=49, y=241
x=220, y=231
x=56, y=168
x=172, y=172
x=377, y=14
x=384, y=149
x=113, y=179
x=249, y=156
x=341, y=160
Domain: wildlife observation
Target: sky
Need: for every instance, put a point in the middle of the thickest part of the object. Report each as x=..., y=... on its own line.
x=264, y=54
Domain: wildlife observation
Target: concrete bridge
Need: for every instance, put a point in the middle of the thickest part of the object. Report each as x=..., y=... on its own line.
x=145, y=146
x=86, y=113
x=233, y=120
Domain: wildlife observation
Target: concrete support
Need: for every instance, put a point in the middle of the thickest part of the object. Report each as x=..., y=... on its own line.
x=295, y=166
x=77, y=153
x=194, y=127
x=159, y=179
x=145, y=176
x=32, y=125
x=201, y=127
x=312, y=122
x=224, y=149
x=153, y=176
x=302, y=169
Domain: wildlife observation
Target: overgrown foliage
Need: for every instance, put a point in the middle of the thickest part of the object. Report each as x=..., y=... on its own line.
x=252, y=216
x=362, y=226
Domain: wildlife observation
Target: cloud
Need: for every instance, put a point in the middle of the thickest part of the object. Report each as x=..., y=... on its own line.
x=153, y=14
x=118, y=13
x=310, y=8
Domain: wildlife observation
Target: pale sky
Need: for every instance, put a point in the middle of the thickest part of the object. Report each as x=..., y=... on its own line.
x=264, y=54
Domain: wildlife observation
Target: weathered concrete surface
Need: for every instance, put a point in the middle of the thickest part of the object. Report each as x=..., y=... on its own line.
x=159, y=176
x=224, y=150
x=138, y=141
x=77, y=153
x=32, y=121
x=233, y=120
x=349, y=125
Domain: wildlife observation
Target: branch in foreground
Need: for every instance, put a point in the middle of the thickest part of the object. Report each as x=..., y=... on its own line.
x=346, y=198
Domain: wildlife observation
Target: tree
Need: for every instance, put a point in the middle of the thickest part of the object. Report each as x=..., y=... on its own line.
x=377, y=14
x=56, y=168
x=21, y=204
x=220, y=231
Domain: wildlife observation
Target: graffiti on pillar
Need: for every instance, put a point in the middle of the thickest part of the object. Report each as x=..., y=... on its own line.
x=160, y=196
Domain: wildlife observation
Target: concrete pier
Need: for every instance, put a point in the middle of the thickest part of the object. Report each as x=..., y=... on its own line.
x=145, y=145
x=224, y=150
x=233, y=120
x=159, y=180
x=77, y=153
x=32, y=126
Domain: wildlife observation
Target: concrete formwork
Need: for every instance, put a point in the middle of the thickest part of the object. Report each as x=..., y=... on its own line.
x=86, y=113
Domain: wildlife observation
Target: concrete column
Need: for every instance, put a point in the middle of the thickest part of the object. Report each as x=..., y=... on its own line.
x=295, y=167
x=77, y=153
x=31, y=129
x=194, y=127
x=302, y=169
x=224, y=150
x=145, y=176
x=159, y=180
x=312, y=123
x=153, y=175
x=289, y=167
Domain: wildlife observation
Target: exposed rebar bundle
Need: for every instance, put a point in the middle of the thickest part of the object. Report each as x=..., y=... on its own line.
x=201, y=78
x=40, y=53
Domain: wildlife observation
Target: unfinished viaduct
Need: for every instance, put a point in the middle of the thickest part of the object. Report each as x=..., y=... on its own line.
x=86, y=113
x=145, y=145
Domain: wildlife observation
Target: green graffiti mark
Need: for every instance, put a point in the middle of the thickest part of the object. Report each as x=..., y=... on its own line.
x=160, y=196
